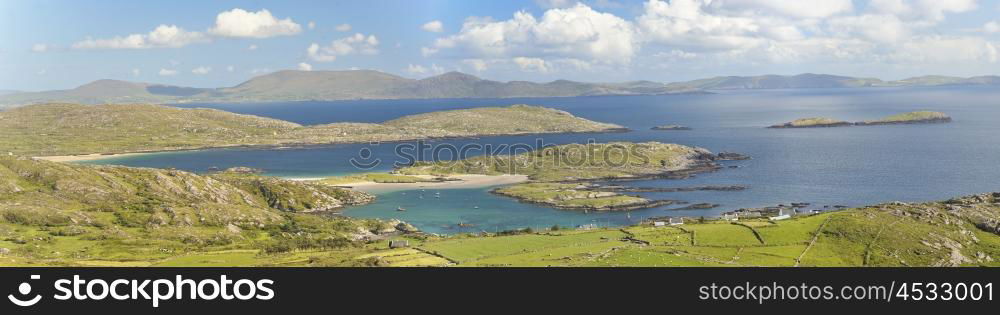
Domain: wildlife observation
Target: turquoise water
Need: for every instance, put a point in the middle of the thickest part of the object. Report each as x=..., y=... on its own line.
x=825, y=166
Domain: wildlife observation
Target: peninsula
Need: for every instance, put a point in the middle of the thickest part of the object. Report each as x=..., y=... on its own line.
x=560, y=175
x=72, y=129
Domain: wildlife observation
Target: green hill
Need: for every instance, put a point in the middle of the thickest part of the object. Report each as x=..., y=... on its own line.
x=63, y=129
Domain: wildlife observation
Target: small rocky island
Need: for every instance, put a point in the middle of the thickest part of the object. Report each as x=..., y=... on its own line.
x=671, y=127
x=919, y=117
x=814, y=122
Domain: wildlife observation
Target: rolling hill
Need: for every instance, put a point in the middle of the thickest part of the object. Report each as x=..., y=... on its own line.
x=63, y=129
x=293, y=85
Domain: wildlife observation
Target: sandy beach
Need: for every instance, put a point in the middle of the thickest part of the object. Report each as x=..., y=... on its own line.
x=86, y=157
x=464, y=181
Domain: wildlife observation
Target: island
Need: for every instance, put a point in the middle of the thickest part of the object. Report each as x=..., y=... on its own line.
x=918, y=117
x=561, y=176
x=671, y=127
x=814, y=122
x=94, y=131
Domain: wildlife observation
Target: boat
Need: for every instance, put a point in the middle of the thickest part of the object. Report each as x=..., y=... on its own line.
x=400, y=209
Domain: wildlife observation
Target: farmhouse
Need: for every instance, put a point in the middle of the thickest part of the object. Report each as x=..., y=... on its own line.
x=399, y=243
x=676, y=221
x=782, y=215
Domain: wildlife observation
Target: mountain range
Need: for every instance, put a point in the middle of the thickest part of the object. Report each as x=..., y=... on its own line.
x=367, y=84
x=333, y=85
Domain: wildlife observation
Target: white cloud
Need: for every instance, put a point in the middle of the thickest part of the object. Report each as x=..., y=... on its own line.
x=136, y=72
x=311, y=25
x=532, y=64
x=418, y=69
x=576, y=32
x=42, y=72
x=343, y=27
x=921, y=11
x=260, y=24
x=39, y=48
x=355, y=44
x=167, y=72
x=252, y=47
x=946, y=49
x=991, y=27
x=230, y=69
x=259, y=70
x=164, y=36
x=201, y=70
x=790, y=8
x=433, y=26
x=548, y=4
x=305, y=66
x=477, y=65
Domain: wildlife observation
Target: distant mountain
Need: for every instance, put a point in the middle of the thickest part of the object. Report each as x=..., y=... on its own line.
x=104, y=91
x=334, y=85
x=807, y=80
x=816, y=81
x=367, y=84
x=5, y=92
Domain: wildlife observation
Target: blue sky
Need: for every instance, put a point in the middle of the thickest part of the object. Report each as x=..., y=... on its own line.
x=63, y=44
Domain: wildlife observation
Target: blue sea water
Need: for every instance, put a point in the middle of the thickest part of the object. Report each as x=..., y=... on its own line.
x=849, y=166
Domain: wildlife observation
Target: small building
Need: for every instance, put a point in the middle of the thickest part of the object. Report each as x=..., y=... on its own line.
x=587, y=227
x=676, y=221
x=782, y=215
x=659, y=223
x=730, y=217
x=399, y=243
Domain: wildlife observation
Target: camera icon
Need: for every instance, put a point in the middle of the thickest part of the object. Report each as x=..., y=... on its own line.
x=25, y=289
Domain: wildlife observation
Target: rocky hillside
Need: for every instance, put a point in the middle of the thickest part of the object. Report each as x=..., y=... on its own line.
x=40, y=192
x=63, y=213
x=956, y=232
x=62, y=129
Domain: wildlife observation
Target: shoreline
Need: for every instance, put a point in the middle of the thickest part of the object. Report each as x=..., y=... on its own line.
x=90, y=157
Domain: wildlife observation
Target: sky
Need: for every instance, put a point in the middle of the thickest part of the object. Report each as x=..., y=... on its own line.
x=46, y=44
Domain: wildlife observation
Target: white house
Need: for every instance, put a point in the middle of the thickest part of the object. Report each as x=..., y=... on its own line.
x=659, y=223
x=782, y=215
x=730, y=217
x=676, y=221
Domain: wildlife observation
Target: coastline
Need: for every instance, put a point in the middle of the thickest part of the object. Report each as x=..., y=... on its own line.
x=89, y=157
